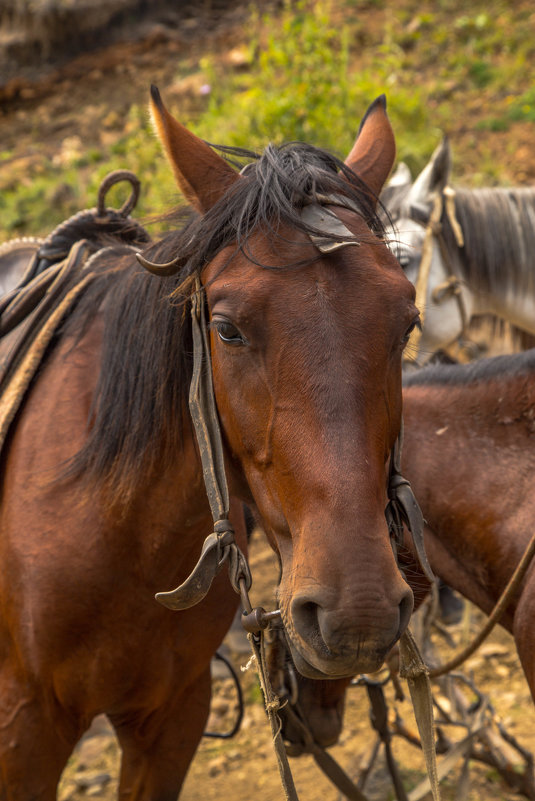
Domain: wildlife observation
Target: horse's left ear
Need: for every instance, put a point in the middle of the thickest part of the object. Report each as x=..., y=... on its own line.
x=201, y=174
x=374, y=151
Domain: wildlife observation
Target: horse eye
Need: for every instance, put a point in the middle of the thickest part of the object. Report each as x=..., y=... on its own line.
x=228, y=333
x=415, y=324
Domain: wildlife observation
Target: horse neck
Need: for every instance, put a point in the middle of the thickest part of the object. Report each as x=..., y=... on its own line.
x=515, y=307
x=512, y=304
x=469, y=457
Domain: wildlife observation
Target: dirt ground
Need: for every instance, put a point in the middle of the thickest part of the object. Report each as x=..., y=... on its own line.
x=57, y=106
x=38, y=112
x=89, y=96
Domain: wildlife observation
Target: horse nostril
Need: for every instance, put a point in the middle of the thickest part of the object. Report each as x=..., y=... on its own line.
x=305, y=619
x=334, y=631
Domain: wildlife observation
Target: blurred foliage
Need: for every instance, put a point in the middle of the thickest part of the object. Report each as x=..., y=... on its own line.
x=303, y=85
x=308, y=72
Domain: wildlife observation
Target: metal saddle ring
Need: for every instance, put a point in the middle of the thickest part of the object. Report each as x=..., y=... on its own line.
x=110, y=180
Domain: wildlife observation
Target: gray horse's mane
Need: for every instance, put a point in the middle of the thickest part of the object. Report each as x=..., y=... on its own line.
x=498, y=225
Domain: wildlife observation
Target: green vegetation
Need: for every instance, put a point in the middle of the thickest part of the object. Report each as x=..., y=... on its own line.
x=302, y=86
x=308, y=72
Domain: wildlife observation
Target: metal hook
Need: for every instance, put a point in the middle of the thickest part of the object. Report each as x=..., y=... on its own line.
x=110, y=180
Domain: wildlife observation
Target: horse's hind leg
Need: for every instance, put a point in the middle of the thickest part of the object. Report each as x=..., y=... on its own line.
x=158, y=748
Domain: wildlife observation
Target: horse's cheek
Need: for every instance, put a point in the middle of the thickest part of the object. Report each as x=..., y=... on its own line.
x=241, y=407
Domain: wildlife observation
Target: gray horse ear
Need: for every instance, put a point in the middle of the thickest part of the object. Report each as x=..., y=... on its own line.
x=441, y=165
x=433, y=178
x=396, y=189
x=401, y=178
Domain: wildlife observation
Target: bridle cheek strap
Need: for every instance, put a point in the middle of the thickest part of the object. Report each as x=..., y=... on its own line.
x=444, y=201
x=402, y=509
x=220, y=546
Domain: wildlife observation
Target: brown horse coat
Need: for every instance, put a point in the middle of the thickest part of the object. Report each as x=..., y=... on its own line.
x=469, y=453
x=103, y=502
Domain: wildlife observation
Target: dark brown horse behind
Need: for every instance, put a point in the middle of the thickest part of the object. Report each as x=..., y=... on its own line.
x=103, y=500
x=469, y=452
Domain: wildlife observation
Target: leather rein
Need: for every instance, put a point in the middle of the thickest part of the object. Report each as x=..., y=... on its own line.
x=220, y=546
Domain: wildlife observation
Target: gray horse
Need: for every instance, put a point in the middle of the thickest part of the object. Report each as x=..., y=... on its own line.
x=470, y=252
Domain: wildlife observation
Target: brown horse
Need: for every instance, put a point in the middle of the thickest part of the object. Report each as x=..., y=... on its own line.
x=469, y=453
x=103, y=500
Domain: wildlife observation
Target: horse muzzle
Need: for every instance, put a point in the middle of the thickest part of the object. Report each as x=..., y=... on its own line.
x=329, y=643
x=326, y=665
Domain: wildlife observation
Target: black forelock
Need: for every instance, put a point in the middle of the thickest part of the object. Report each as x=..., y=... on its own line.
x=272, y=190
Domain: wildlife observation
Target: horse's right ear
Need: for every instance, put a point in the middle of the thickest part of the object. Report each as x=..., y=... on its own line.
x=201, y=174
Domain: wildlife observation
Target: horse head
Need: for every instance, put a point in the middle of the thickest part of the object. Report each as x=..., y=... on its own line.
x=309, y=313
x=426, y=264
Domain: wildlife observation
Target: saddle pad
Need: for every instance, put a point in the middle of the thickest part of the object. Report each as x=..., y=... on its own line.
x=29, y=323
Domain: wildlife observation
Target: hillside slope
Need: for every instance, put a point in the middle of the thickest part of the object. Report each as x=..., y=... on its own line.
x=306, y=70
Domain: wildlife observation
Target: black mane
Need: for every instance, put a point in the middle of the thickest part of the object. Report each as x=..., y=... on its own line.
x=481, y=370
x=272, y=191
x=498, y=226
x=137, y=413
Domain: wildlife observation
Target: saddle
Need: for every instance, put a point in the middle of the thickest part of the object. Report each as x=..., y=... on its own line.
x=47, y=277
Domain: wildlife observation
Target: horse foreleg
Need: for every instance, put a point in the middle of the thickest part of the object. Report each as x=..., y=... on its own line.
x=35, y=742
x=158, y=748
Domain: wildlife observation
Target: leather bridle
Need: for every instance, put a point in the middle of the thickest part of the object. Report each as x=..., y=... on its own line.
x=220, y=546
x=452, y=286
